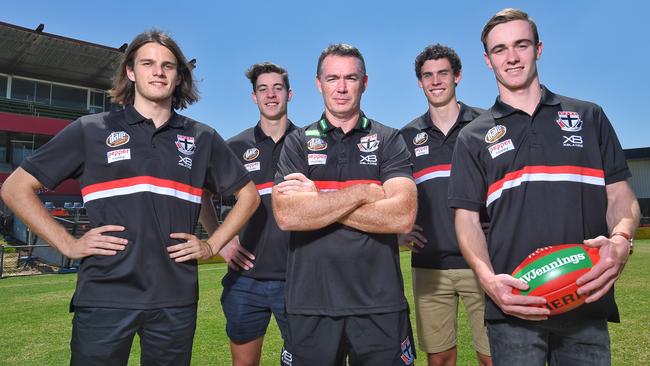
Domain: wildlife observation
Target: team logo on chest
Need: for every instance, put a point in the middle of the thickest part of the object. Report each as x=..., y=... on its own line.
x=420, y=138
x=569, y=121
x=185, y=144
x=251, y=154
x=117, y=138
x=495, y=133
x=368, y=143
x=316, y=144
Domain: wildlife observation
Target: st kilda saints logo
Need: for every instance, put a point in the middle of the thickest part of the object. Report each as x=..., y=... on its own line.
x=368, y=143
x=185, y=144
x=569, y=121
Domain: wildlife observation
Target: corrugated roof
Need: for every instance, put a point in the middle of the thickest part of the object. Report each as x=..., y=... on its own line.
x=40, y=55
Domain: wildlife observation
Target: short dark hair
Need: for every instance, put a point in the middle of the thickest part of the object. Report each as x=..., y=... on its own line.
x=264, y=68
x=341, y=49
x=123, y=90
x=504, y=16
x=436, y=52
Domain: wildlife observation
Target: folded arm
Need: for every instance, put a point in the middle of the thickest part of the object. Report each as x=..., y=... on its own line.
x=393, y=214
x=303, y=209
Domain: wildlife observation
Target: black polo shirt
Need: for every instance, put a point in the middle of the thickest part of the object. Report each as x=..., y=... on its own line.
x=431, y=152
x=148, y=180
x=339, y=270
x=261, y=236
x=542, y=178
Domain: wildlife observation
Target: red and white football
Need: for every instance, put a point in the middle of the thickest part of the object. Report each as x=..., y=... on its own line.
x=551, y=272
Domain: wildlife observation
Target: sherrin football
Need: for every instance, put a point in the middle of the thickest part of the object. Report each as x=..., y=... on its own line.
x=551, y=272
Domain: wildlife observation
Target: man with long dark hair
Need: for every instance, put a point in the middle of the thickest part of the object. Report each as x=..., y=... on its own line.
x=143, y=171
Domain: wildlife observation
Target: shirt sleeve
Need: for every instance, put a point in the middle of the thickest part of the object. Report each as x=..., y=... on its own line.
x=467, y=187
x=225, y=173
x=292, y=157
x=396, y=159
x=60, y=158
x=611, y=152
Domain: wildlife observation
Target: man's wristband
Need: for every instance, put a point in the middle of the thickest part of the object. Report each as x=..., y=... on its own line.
x=627, y=237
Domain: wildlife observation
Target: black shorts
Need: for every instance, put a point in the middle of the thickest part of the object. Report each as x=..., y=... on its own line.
x=103, y=336
x=374, y=339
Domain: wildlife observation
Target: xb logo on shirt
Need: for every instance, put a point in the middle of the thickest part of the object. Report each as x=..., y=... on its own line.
x=368, y=160
x=185, y=161
x=572, y=141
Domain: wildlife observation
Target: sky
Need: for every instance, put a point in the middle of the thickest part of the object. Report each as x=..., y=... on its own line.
x=592, y=50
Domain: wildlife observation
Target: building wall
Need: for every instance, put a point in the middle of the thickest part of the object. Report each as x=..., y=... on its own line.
x=640, y=180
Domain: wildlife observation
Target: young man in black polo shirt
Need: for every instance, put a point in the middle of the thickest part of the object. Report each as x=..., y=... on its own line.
x=344, y=188
x=142, y=172
x=550, y=171
x=440, y=274
x=254, y=285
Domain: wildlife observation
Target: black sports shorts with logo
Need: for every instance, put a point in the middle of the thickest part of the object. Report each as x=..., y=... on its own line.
x=363, y=340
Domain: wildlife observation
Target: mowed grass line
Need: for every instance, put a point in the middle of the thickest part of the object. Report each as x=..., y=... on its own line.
x=35, y=323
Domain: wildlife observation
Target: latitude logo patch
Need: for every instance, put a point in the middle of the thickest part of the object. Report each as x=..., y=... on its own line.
x=316, y=144
x=420, y=138
x=185, y=144
x=569, y=121
x=117, y=138
x=251, y=154
x=495, y=133
x=368, y=143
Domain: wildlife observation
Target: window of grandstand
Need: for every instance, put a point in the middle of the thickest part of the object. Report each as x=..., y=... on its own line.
x=3, y=86
x=68, y=97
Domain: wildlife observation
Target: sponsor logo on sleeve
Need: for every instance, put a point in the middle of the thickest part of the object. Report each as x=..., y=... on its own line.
x=421, y=150
x=251, y=154
x=185, y=144
x=572, y=141
x=368, y=143
x=500, y=148
x=252, y=167
x=185, y=161
x=420, y=138
x=316, y=144
x=495, y=133
x=117, y=138
x=368, y=160
x=569, y=121
x=118, y=155
x=316, y=159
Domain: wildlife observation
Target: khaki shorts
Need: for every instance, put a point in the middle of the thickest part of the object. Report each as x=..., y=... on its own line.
x=436, y=293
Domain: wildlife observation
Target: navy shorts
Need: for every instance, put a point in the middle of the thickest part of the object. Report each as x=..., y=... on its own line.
x=103, y=336
x=559, y=342
x=248, y=304
x=374, y=339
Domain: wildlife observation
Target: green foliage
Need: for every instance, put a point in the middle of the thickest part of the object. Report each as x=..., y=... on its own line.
x=6, y=249
x=35, y=323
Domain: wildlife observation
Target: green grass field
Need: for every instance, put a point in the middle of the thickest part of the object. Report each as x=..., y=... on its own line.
x=35, y=323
